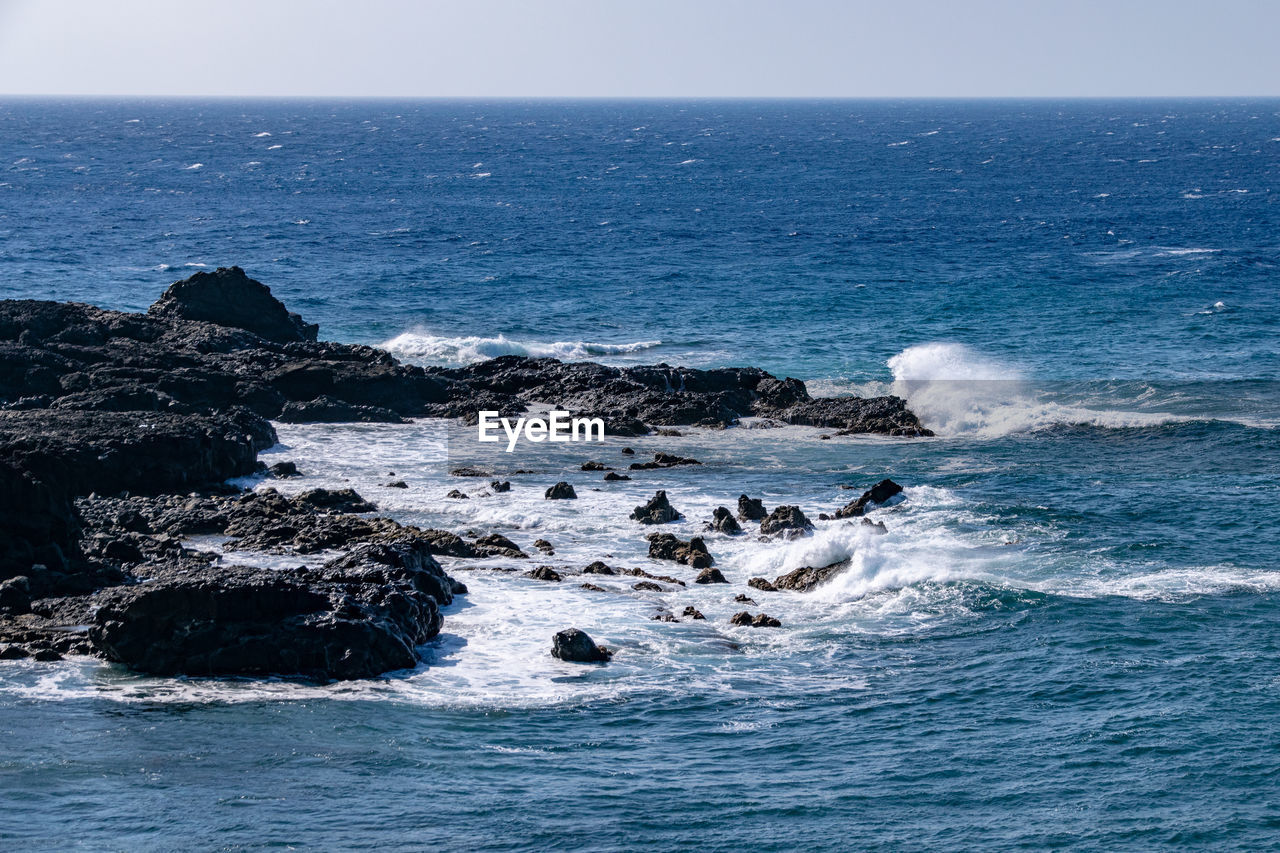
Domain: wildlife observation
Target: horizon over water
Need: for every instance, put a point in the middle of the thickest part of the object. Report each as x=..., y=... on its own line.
x=1067, y=639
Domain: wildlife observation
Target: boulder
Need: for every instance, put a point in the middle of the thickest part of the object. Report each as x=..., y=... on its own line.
x=658, y=510
x=284, y=470
x=722, y=521
x=665, y=546
x=877, y=494
x=646, y=586
x=806, y=578
x=751, y=509
x=760, y=620
x=577, y=646
x=710, y=575
x=500, y=486
x=561, y=491
x=615, y=477
x=544, y=546
x=761, y=584
x=544, y=573
x=228, y=297
x=786, y=521
x=663, y=460
x=691, y=612
x=598, y=567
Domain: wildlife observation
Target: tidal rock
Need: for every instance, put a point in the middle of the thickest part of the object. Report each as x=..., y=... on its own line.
x=330, y=410
x=691, y=612
x=335, y=500
x=710, y=575
x=468, y=471
x=760, y=620
x=751, y=509
x=744, y=599
x=614, y=477
x=396, y=484
x=646, y=586
x=628, y=451
x=665, y=546
x=664, y=616
x=561, y=491
x=228, y=297
x=762, y=585
x=598, y=567
x=284, y=470
x=663, y=460
x=806, y=578
x=722, y=521
x=592, y=587
x=15, y=595
x=497, y=545
x=577, y=646
x=456, y=495
x=877, y=527
x=544, y=573
x=500, y=486
x=786, y=521
x=657, y=511
x=594, y=466
x=877, y=494
x=544, y=546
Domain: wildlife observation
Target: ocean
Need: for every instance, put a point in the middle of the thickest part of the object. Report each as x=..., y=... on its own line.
x=1068, y=638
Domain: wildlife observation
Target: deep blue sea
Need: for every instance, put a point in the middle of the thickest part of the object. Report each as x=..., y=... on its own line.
x=1069, y=638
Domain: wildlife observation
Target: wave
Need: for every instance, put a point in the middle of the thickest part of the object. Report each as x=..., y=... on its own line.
x=957, y=391
x=440, y=349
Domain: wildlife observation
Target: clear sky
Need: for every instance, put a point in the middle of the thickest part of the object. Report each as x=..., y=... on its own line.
x=641, y=48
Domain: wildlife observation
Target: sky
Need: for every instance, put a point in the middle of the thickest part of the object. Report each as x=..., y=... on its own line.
x=641, y=48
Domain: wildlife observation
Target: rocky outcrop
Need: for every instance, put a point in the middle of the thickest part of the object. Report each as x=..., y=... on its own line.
x=561, y=491
x=658, y=510
x=228, y=297
x=663, y=460
x=808, y=577
x=751, y=509
x=665, y=546
x=786, y=521
x=760, y=620
x=722, y=521
x=577, y=646
x=877, y=494
x=544, y=573
x=710, y=575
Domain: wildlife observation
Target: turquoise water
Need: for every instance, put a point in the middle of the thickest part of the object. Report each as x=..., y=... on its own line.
x=1067, y=639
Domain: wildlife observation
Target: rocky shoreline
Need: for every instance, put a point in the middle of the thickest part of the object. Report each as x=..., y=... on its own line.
x=119, y=431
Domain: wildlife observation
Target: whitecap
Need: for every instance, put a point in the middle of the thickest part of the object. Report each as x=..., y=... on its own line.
x=439, y=349
x=194, y=166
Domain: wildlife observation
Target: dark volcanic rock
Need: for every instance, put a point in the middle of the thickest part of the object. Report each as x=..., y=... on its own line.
x=284, y=470
x=228, y=297
x=593, y=466
x=356, y=619
x=786, y=521
x=663, y=460
x=665, y=546
x=751, y=509
x=691, y=612
x=561, y=491
x=544, y=546
x=544, y=573
x=500, y=486
x=722, y=521
x=646, y=586
x=328, y=410
x=805, y=579
x=657, y=511
x=760, y=620
x=577, y=646
x=710, y=575
x=877, y=494
x=762, y=585
x=456, y=495
x=497, y=545
x=614, y=477
x=598, y=567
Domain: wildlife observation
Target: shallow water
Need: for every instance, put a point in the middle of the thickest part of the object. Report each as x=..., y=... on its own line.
x=1066, y=639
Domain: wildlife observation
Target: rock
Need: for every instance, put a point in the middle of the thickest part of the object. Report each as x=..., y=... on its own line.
x=544, y=546
x=284, y=470
x=710, y=575
x=598, y=568
x=15, y=595
x=544, y=573
x=228, y=297
x=348, y=621
x=593, y=466
x=591, y=587
x=329, y=410
x=335, y=500
x=664, y=616
x=806, y=578
x=663, y=460
x=641, y=573
x=397, y=484
x=13, y=652
x=787, y=521
x=561, y=491
x=576, y=646
x=497, y=545
x=614, y=477
x=877, y=494
x=457, y=495
x=657, y=511
x=692, y=612
x=744, y=599
x=762, y=585
x=665, y=546
x=646, y=586
x=760, y=620
x=751, y=509
x=46, y=655
x=877, y=527
x=722, y=521
x=468, y=471
x=628, y=451
x=500, y=486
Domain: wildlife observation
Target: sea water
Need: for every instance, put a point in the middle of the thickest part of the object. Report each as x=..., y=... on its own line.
x=1066, y=639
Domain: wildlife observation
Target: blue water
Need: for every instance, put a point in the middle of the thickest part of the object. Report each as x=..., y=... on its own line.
x=1067, y=640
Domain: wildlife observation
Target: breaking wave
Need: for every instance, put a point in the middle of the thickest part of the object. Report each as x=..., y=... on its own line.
x=439, y=349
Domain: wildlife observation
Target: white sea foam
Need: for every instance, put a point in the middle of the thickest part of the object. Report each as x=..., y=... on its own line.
x=440, y=349
x=194, y=166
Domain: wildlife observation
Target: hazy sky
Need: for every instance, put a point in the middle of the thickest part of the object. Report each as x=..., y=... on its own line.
x=661, y=48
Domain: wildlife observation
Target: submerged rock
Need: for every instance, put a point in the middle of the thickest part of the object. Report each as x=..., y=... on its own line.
x=561, y=491
x=877, y=494
x=544, y=546
x=500, y=486
x=577, y=646
x=284, y=470
x=691, y=612
x=658, y=510
x=598, y=567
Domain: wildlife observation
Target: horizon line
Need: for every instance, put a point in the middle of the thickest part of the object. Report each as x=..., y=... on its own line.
x=617, y=98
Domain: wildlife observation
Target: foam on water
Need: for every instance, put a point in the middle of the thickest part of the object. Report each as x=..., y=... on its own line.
x=426, y=348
